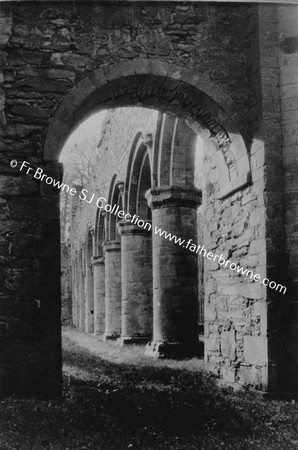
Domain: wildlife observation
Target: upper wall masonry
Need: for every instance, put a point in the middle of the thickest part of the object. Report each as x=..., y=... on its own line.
x=54, y=46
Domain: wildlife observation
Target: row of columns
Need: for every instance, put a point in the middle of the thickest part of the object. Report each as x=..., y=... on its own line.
x=145, y=288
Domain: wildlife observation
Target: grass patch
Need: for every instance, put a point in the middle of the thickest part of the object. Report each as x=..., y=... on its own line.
x=118, y=399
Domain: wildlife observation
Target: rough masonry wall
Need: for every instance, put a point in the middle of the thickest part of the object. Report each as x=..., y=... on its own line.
x=287, y=18
x=48, y=47
x=52, y=46
x=251, y=330
x=66, y=288
x=235, y=307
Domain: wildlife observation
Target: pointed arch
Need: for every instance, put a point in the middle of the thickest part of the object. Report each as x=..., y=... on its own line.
x=114, y=200
x=99, y=233
x=138, y=178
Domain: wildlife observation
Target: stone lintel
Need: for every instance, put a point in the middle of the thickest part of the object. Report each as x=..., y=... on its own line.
x=174, y=196
x=112, y=246
x=126, y=228
x=173, y=350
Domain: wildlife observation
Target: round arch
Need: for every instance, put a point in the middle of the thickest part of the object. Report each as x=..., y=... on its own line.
x=153, y=84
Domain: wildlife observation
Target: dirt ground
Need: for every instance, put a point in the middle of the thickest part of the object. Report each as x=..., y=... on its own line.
x=116, y=398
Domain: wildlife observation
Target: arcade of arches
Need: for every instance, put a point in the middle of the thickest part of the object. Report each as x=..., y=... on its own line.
x=201, y=141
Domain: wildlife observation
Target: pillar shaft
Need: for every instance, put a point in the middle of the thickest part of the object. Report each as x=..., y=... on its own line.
x=175, y=272
x=99, y=295
x=136, y=272
x=113, y=289
x=75, y=296
x=89, y=298
x=82, y=300
x=78, y=293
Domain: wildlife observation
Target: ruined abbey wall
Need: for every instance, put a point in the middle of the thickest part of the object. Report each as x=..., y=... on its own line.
x=60, y=62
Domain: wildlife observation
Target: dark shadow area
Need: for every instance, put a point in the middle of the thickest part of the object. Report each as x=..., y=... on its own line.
x=161, y=407
x=110, y=404
x=164, y=400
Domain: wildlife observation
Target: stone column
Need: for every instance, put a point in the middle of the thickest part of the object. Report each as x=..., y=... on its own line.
x=75, y=266
x=175, y=272
x=99, y=294
x=112, y=251
x=82, y=301
x=89, y=298
x=136, y=273
x=75, y=296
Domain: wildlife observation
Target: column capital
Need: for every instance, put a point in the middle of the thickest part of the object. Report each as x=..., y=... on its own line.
x=111, y=246
x=174, y=196
x=98, y=260
x=126, y=228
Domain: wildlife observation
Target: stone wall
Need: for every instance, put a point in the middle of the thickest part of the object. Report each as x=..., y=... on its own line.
x=66, y=288
x=235, y=307
x=288, y=64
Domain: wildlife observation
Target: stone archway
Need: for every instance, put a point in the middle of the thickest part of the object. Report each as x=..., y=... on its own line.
x=167, y=88
x=43, y=70
x=162, y=86
x=139, y=82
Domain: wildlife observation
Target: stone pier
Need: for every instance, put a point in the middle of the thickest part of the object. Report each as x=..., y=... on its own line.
x=75, y=295
x=112, y=251
x=136, y=272
x=89, y=298
x=82, y=297
x=175, y=272
x=99, y=294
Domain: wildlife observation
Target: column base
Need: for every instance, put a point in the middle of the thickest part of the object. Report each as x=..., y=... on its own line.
x=110, y=337
x=174, y=350
x=129, y=340
x=95, y=333
x=99, y=336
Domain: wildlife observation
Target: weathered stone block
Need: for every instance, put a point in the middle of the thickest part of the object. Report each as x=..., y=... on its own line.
x=209, y=313
x=228, y=373
x=248, y=375
x=228, y=344
x=255, y=350
x=212, y=344
x=5, y=28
